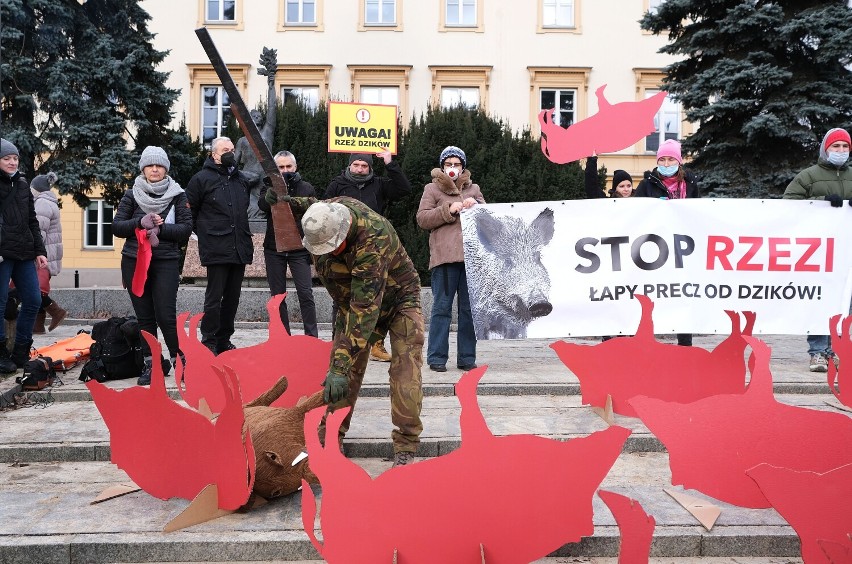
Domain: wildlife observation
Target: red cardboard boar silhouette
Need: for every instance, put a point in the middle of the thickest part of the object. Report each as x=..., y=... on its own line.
x=511, y=499
x=301, y=358
x=614, y=127
x=713, y=442
x=840, y=383
x=636, y=527
x=817, y=506
x=641, y=365
x=173, y=451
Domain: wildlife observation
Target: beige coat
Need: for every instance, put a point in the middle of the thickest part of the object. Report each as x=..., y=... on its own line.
x=433, y=215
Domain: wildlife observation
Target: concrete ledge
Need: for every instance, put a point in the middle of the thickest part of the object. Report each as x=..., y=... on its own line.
x=98, y=303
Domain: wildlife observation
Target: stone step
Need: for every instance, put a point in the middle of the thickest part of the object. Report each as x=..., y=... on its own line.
x=46, y=518
x=75, y=431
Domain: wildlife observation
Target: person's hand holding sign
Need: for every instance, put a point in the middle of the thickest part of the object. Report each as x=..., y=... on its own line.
x=385, y=155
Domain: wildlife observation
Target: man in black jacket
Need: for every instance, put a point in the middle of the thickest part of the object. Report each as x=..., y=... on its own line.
x=359, y=182
x=299, y=260
x=218, y=198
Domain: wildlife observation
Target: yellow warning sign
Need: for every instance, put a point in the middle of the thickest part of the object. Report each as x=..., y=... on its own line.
x=361, y=128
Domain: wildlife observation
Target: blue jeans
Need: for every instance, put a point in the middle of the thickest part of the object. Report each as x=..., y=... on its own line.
x=819, y=344
x=447, y=281
x=23, y=274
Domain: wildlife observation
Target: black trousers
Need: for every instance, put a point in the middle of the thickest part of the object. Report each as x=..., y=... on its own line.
x=276, y=273
x=157, y=306
x=221, y=298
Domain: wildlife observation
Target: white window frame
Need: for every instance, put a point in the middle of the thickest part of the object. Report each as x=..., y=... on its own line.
x=557, y=112
x=101, y=224
x=556, y=5
x=460, y=13
x=380, y=4
x=674, y=109
x=459, y=90
x=301, y=10
x=220, y=114
x=221, y=15
x=312, y=101
x=382, y=92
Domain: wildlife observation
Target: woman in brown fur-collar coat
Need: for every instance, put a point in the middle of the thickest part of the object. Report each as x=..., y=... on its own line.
x=450, y=192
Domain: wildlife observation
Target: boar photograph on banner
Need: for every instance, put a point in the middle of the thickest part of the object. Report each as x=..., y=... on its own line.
x=573, y=268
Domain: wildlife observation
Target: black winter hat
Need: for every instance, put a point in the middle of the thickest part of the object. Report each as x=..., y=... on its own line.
x=620, y=176
x=43, y=182
x=367, y=158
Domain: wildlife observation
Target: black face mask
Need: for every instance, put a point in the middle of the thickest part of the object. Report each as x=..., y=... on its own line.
x=228, y=159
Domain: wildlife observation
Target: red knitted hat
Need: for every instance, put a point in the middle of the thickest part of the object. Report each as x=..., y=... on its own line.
x=836, y=135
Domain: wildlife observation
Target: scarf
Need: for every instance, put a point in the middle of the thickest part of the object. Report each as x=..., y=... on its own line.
x=359, y=179
x=155, y=198
x=675, y=187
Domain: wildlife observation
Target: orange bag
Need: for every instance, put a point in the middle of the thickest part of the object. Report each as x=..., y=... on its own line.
x=69, y=351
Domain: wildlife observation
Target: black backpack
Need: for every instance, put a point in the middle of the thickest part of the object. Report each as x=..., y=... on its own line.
x=117, y=351
x=38, y=373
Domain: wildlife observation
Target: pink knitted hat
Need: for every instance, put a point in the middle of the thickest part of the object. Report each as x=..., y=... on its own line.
x=670, y=148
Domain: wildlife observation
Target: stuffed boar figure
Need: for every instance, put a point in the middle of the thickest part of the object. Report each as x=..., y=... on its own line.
x=278, y=436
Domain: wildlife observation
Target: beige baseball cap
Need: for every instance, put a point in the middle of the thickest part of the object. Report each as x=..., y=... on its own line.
x=325, y=225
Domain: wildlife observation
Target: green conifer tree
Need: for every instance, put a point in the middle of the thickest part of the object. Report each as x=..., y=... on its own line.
x=763, y=79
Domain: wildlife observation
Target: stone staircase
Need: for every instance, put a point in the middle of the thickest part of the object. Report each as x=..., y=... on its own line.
x=55, y=460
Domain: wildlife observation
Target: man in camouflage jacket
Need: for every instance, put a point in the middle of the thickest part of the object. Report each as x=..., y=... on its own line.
x=363, y=265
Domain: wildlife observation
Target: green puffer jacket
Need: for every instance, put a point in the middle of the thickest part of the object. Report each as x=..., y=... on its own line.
x=822, y=179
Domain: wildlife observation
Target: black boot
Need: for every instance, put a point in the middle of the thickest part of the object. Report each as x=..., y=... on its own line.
x=145, y=377
x=21, y=353
x=7, y=366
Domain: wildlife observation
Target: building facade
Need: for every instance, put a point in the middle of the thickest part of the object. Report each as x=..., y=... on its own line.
x=512, y=58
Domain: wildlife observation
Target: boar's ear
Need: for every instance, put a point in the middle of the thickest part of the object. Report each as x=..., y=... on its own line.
x=543, y=225
x=490, y=231
x=273, y=458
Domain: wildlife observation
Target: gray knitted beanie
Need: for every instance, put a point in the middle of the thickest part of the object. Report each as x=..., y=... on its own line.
x=7, y=148
x=154, y=156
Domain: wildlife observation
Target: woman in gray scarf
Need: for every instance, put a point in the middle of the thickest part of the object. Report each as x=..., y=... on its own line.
x=154, y=214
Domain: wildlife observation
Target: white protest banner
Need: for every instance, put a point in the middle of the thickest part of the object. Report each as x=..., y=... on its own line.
x=571, y=268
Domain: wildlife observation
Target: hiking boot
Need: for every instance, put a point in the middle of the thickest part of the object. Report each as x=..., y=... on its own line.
x=145, y=376
x=402, y=459
x=379, y=353
x=57, y=315
x=7, y=366
x=38, y=328
x=819, y=363
x=21, y=353
x=438, y=367
x=835, y=359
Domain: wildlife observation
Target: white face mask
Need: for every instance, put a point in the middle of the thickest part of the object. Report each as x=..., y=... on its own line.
x=838, y=158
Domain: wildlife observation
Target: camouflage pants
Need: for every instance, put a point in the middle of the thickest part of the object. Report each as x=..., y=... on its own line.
x=406, y=386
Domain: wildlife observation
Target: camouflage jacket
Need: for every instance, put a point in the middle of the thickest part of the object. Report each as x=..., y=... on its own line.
x=370, y=281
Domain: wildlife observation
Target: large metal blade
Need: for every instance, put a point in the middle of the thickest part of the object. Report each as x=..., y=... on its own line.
x=284, y=224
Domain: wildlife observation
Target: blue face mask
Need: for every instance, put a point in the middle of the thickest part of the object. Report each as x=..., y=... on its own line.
x=837, y=158
x=667, y=170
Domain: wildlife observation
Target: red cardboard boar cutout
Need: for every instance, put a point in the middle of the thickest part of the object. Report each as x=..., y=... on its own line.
x=640, y=365
x=614, y=127
x=512, y=499
x=840, y=383
x=301, y=358
x=636, y=527
x=173, y=451
x=713, y=442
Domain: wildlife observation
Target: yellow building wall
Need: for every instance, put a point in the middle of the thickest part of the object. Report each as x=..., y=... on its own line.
x=75, y=256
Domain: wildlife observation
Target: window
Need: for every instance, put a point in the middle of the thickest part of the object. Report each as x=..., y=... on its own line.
x=381, y=84
x=221, y=13
x=563, y=102
x=209, y=104
x=461, y=15
x=220, y=10
x=307, y=95
x=666, y=123
x=97, y=225
x=380, y=15
x=654, y=5
x=557, y=13
x=453, y=86
x=215, y=113
x=386, y=95
x=454, y=96
x=563, y=89
x=301, y=12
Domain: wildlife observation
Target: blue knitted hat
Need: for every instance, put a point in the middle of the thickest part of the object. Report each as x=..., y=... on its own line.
x=452, y=151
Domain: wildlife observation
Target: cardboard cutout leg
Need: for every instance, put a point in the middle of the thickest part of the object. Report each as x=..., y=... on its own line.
x=205, y=507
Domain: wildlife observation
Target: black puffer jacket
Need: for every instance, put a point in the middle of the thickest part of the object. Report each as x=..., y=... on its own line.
x=299, y=188
x=652, y=186
x=172, y=236
x=377, y=192
x=20, y=238
x=219, y=203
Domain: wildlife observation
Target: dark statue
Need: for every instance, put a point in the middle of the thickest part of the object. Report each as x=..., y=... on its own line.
x=246, y=159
